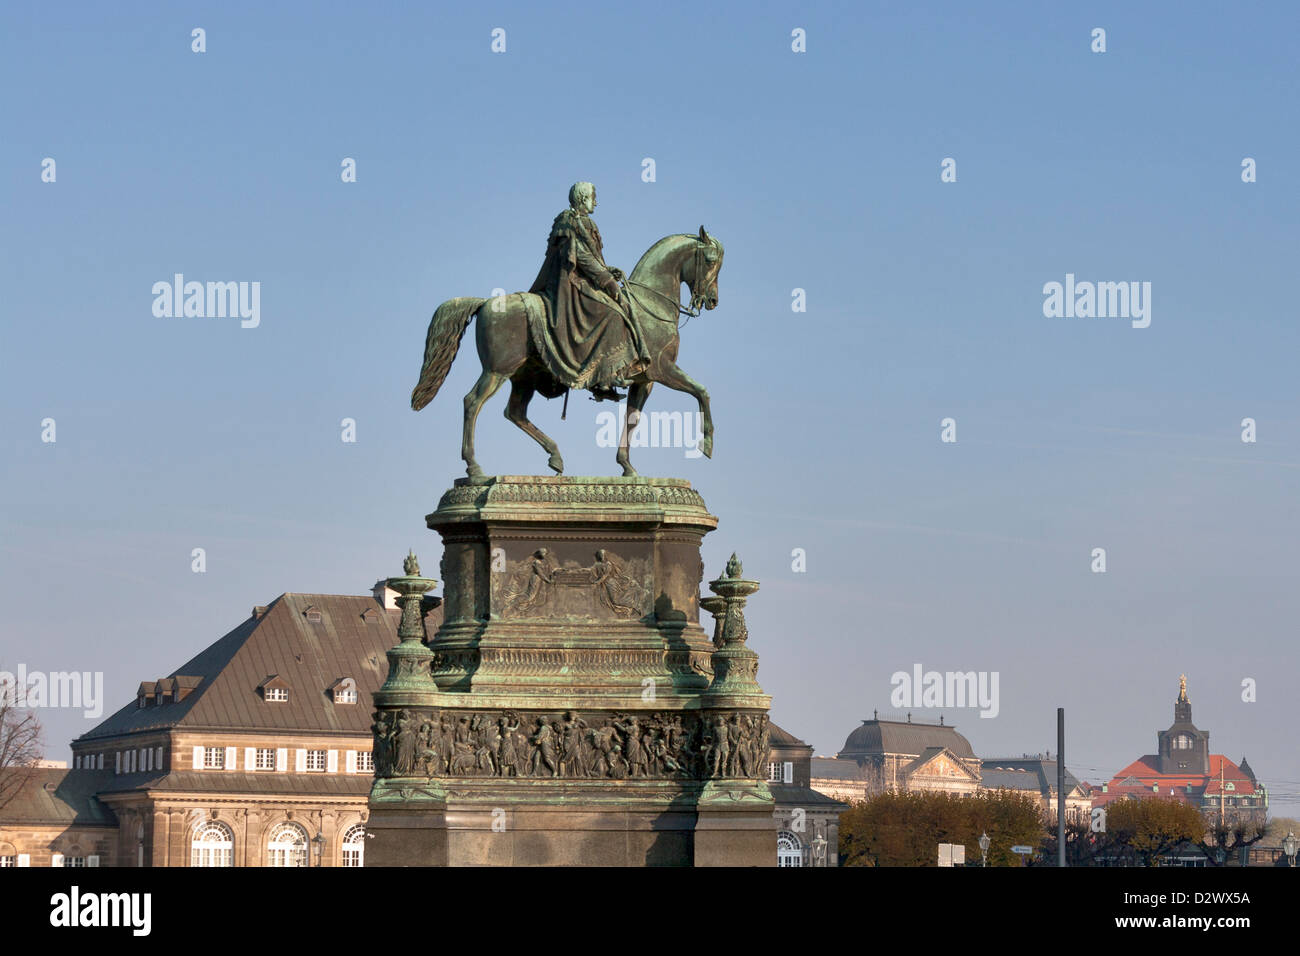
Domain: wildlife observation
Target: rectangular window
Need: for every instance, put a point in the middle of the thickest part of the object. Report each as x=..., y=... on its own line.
x=214, y=758
x=345, y=695
x=8, y=861
x=277, y=693
x=365, y=762
x=265, y=759
x=74, y=861
x=316, y=760
x=773, y=773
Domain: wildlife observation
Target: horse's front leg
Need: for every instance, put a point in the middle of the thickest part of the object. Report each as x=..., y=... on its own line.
x=636, y=398
x=678, y=380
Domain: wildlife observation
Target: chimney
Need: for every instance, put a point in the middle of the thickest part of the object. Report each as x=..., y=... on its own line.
x=384, y=595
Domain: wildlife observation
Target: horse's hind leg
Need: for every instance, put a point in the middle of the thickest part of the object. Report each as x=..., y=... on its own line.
x=517, y=412
x=636, y=399
x=483, y=389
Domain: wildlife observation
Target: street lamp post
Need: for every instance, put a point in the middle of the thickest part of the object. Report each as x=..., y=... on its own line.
x=984, y=848
x=1289, y=848
x=318, y=847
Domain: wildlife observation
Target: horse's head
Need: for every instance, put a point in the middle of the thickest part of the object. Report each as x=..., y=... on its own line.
x=703, y=281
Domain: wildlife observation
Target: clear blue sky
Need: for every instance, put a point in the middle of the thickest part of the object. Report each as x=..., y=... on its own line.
x=818, y=171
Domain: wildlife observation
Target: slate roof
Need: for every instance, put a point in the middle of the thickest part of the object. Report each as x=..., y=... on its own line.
x=829, y=768
x=1245, y=768
x=779, y=737
x=1010, y=780
x=788, y=795
x=1042, y=769
x=895, y=737
x=309, y=657
x=59, y=797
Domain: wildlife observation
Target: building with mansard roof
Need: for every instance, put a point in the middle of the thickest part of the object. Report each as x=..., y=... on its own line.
x=1035, y=775
x=1184, y=768
x=885, y=755
x=256, y=752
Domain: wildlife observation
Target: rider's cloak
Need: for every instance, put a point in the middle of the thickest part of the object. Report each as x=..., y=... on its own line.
x=591, y=339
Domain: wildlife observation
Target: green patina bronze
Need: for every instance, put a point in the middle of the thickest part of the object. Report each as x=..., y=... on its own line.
x=576, y=328
x=570, y=695
x=570, y=709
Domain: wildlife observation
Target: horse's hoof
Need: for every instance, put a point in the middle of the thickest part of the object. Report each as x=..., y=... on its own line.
x=556, y=464
x=629, y=471
x=706, y=446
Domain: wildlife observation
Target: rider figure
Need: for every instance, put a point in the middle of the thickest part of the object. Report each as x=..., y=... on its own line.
x=595, y=343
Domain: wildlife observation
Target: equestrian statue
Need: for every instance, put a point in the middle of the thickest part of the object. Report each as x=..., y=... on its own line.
x=582, y=325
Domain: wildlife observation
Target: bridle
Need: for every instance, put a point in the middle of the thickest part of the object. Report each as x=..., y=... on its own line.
x=697, y=299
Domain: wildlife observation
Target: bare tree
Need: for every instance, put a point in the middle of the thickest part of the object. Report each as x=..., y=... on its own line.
x=1235, y=832
x=21, y=740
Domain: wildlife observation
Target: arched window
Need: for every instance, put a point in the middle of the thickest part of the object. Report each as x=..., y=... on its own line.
x=789, y=851
x=213, y=845
x=287, y=846
x=354, y=846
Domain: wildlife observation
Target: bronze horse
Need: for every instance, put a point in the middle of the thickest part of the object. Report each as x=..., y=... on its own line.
x=507, y=352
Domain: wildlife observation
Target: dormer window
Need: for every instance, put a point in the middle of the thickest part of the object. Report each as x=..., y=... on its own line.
x=312, y=614
x=345, y=691
x=275, y=690
x=371, y=615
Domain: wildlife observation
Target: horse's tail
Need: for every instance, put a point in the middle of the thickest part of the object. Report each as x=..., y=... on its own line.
x=445, y=332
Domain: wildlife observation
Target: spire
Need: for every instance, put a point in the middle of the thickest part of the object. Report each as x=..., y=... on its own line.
x=1245, y=768
x=1183, y=705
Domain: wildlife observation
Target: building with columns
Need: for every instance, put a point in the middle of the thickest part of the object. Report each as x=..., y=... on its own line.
x=885, y=755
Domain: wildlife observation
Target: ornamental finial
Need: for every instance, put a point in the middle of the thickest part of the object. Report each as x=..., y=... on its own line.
x=411, y=565
x=734, y=567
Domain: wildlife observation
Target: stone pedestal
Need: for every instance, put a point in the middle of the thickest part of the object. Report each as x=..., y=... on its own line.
x=570, y=710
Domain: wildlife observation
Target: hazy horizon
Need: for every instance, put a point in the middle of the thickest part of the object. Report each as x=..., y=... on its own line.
x=820, y=171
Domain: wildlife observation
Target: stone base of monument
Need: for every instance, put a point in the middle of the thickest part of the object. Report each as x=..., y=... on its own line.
x=571, y=710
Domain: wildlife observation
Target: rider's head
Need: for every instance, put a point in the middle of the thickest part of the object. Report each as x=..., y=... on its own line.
x=582, y=196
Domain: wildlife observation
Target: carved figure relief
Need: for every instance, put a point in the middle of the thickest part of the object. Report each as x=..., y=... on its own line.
x=569, y=745
x=540, y=584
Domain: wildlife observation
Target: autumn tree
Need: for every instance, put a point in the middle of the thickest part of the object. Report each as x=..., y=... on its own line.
x=1141, y=830
x=20, y=738
x=905, y=828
